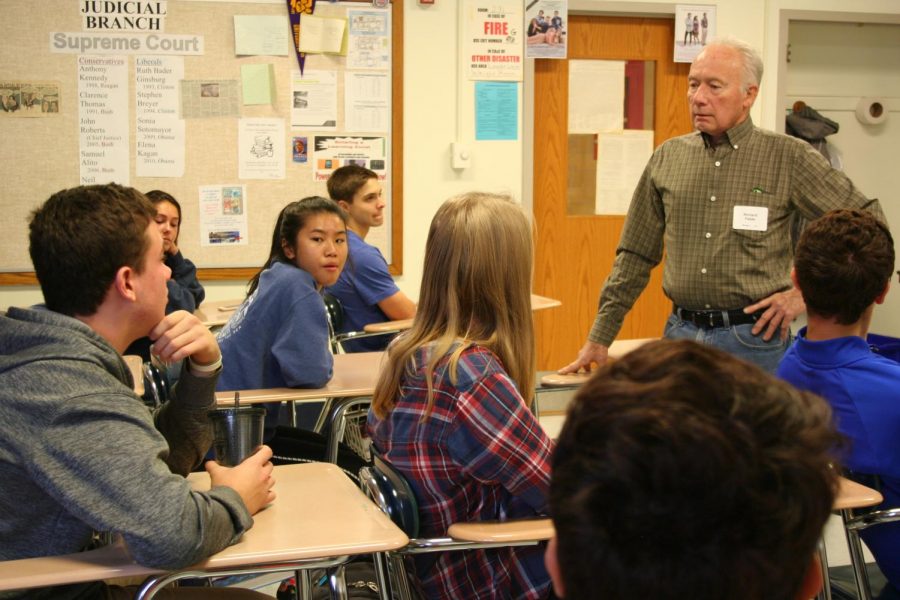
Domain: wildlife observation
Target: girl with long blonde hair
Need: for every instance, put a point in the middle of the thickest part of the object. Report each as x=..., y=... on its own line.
x=449, y=410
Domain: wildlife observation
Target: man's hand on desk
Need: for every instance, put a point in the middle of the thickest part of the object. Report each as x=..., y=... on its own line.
x=781, y=310
x=179, y=335
x=591, y=352
x=252, y=479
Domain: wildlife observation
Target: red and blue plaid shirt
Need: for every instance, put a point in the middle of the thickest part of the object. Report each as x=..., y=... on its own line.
x=480, y=455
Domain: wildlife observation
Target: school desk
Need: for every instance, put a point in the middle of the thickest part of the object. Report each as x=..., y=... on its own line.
x=297, y=531
x=353, y=375
x=216, y=314
x=537, y=303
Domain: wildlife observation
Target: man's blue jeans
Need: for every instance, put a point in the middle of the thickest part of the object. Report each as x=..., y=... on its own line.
x=736, y=340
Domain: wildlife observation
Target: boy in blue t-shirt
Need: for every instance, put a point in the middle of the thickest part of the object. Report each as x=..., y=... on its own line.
x=843, y=266
x=365, y=289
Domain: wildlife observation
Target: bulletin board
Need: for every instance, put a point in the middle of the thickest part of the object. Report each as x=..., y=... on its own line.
x=42, y=154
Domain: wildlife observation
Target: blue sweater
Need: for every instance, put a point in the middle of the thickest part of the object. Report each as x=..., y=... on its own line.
x=278, y=337
x=862, y=388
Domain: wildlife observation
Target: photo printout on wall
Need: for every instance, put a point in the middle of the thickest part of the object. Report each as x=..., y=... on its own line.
x=695, y=24
x=546, y=28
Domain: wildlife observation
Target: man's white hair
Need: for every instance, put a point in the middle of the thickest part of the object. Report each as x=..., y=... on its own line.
x=752, y=64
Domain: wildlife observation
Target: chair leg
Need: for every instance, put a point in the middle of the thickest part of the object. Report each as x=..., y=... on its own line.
x=857, y=560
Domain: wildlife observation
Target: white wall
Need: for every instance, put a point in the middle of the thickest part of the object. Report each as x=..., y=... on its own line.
x=832, y=66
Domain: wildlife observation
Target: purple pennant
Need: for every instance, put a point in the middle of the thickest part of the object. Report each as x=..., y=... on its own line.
x=295, y=9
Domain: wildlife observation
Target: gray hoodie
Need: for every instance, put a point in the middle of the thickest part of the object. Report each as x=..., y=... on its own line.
x=80, y=452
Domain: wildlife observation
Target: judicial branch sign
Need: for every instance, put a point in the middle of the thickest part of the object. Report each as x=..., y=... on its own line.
x=123, y=15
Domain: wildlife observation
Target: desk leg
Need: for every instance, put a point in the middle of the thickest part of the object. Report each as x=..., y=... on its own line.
x=323, y=420
x=337, y=583
x=825, y=594
x=155, y=583
x=381, y=576
x=857, y=559
x=304, y=586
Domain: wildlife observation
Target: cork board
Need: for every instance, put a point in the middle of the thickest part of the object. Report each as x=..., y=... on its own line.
x=42, y=153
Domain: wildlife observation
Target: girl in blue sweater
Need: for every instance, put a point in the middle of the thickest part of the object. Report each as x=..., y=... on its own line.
x=279, y=337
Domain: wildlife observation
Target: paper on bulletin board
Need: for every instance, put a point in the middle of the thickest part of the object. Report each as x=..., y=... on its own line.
x=596, y=95
x=621, y=157
x=203, y=98
x=369, y=43
x=258, y=83
x=29, y=98
x=322, y=34
x=159, y=132
x=103, y=119
x=496, y=110
x=223, y=215
x=367, y=102
x=261, y=148
x=261, y=35
x=331, y=152
x=494, y=39
x=314, y=100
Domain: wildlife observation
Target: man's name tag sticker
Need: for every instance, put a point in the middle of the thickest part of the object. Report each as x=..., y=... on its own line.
x=750, y=218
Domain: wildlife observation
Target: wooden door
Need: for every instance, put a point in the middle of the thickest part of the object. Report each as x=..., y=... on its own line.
x=574, y=253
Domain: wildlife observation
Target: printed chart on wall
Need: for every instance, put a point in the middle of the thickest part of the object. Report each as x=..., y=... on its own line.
x=203, y=100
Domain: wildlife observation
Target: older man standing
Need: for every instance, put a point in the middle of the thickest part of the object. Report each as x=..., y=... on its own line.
x=720, y=201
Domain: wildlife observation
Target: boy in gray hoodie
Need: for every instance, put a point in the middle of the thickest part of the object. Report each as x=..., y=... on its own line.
x=79, y=451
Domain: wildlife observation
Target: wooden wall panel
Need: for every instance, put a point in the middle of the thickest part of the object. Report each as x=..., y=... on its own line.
x=574, y=254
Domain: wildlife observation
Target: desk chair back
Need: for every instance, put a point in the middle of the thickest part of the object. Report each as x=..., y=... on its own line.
x=859, y=519
x=347, y=425
x=392, y=493
x=156, y=385
x=334, y=310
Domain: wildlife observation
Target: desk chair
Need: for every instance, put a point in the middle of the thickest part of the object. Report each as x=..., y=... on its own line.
x=335, y=312
x=392, y=494
x=856, y=520
x=156, y=385
x=346, y=423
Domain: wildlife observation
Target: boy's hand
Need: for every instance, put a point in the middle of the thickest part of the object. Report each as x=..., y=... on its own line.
x=180, y=335
x=252, y=479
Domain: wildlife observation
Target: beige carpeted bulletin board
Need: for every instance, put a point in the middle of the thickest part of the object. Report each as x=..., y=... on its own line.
x=40, y=154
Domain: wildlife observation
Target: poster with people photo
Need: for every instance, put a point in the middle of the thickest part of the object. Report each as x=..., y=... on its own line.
x=546, y=28
x=695, y=24
x=29, y=99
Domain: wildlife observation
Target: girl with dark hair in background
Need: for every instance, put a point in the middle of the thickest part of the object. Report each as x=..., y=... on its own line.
x=185, y=291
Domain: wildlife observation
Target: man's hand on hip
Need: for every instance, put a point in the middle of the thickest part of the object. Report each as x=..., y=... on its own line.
x=781, y=308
